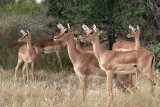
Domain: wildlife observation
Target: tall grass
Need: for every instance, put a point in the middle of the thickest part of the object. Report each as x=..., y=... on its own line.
x=63, y=90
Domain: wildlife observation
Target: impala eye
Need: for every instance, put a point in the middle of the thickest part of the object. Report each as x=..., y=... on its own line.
x=135, y=30
x=91, y=33
x=66, y=31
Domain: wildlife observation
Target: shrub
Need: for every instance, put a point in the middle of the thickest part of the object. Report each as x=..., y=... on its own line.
x=155, y=48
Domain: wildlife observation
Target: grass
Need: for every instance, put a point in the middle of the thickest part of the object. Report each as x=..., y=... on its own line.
x=63, y=90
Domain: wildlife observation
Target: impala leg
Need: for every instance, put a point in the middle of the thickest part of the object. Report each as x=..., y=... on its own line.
x=110, y=76
x=59, y=58
x=32, y=65
x=27, y=71
x=125, y=81
x=83, y=86
x=137, y=75
x=132, y=75
x=18, y=64
x=153, y=80
x=152, y=87
x=23, y=71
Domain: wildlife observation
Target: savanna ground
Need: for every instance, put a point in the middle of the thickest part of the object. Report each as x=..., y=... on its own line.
x=63, y=90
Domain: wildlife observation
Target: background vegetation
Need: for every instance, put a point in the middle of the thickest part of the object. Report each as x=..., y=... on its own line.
x=111, y=16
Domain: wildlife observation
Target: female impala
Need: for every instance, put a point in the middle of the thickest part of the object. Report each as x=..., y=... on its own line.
x=125, y=80
x=85, y=64
x=127, y=45
x=115, y=62
x=27, y=54
x=49, y=46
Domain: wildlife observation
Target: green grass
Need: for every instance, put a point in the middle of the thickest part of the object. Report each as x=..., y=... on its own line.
x=63, y=90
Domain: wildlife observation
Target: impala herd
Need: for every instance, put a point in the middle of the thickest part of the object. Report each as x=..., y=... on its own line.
x=116, y=65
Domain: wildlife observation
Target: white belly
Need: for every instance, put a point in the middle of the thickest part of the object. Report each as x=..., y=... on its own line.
x=126, y=72
x=48, y=52
x=95, y=76
x=29, y=61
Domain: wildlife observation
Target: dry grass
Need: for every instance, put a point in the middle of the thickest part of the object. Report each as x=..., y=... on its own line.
x=62, y=90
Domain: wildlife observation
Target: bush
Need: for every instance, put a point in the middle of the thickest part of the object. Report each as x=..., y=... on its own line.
x=155, y=48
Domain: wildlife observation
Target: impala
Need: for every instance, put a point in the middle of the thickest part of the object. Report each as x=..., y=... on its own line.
x=82, y=47
x=49, y=46
x=116, y=62
x=125, y=80
x=27, y=54
x=127, y=45
x=85, y=64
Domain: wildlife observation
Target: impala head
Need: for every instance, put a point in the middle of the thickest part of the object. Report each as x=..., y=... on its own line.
x=25, y=36
x=63, y=34
x=89, y=34
x=78, y=37
x=134, y=32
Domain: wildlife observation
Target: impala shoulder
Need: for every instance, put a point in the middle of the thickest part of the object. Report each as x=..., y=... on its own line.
x=102, y=46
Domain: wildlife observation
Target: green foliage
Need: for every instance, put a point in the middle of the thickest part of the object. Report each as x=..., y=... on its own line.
x=155, y=48
x=24, y=7
x=118, y=14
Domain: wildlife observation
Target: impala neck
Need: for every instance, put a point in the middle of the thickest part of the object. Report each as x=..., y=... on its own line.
x=137, y=43
x=64, y=44
x=29, y=46
x=72, y=51
x=96, y=48
x=79, y=45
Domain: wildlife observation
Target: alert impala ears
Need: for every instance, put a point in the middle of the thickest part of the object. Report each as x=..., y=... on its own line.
x=94, y=28
x=130, y=27
x=60, y=26
x=28, y=31
x=137, y=27
x=68, y=25
x=85, y=27
x=22, y=31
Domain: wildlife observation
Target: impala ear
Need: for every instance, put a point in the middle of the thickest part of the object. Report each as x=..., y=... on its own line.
x=85, y=27
x=60, y=26
x=69, y=27
x=94, y=28
x=130, y=27
x=137, y=27
x=27, y=31
x=22, y=31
